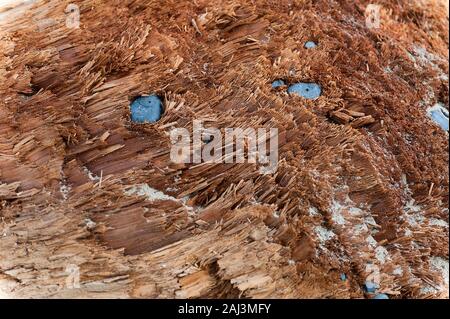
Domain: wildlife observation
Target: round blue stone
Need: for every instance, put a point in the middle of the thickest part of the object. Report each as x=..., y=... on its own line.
x=310, y=45
x=370, y=287
x=381, y=296
x=439, y=114
x=277, y=83
x=146, y=109
x=307, y=90
x=343, y=277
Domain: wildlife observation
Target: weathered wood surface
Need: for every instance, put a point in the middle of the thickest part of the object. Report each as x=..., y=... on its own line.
x=363, y=174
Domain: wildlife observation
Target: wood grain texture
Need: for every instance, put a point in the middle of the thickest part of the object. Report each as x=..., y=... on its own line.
x=363, y=173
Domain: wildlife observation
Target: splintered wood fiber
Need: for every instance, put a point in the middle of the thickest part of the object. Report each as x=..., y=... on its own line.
x=361, y=190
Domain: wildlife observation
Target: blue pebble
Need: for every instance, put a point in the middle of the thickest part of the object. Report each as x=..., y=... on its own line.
x=307, y=90
x=370, y=287
x=439, y=114
x=146, y=109
x=310, y=45
x=343, y=277
x=277, y=83
x=381, y=296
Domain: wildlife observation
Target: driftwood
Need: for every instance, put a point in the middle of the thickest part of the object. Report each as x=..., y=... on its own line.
x=362, y=185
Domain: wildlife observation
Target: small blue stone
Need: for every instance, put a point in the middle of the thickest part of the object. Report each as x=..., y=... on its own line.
x=381, y=296
x=343, y=277
x=307, y=90
x=277, y=83
x=146, y=109
x=439, y=114
x=370, y=287
x=310, y=45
